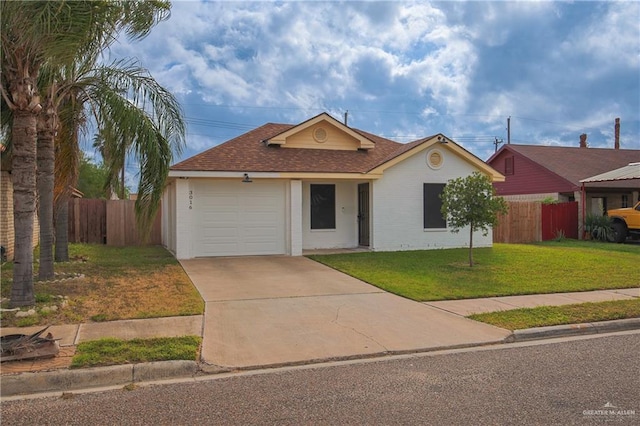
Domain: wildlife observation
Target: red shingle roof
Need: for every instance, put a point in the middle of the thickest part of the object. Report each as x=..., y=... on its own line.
x=574, y=163
x=247, y=153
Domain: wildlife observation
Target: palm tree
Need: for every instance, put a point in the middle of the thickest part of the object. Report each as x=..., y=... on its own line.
x=46, y=126
x=113, y=184
x=67, y=146
x=53, y=32
x=138, y=115
x=133, y=114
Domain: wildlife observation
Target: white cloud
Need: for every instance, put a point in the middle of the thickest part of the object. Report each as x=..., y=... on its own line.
x=492, y=23
x=611, y=38
x=309, y=52
x=451, y=67
x=427, y=111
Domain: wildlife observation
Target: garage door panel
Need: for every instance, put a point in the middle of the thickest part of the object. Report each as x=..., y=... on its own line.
x=221, y=218
x=259, y=202
x=262, y=232
x=259, y=217
x=213, y=234
x=233, y=218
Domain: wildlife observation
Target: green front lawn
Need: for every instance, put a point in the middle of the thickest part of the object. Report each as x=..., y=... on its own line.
x=503, y=270
x=518, y=319
x=111, y=351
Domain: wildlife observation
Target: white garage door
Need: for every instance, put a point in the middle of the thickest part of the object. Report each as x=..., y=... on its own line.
x=234, y=218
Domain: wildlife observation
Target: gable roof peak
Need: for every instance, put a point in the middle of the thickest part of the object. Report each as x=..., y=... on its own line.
x=319, y=133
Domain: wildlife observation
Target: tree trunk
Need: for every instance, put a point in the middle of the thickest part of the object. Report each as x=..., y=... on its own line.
x=24, y=204
x=45, y=156
x=122, y=195
x=62, y=229
x=471, y=245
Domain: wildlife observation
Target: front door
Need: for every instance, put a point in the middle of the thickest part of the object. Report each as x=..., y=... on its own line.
x=363, y=214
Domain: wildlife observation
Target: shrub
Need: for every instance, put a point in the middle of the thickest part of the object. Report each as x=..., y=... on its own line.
x=599, y=227
x=559, y=236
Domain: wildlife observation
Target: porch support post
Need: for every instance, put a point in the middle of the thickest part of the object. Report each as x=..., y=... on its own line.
x=583, y=204
x=184, y=224
x=296, y=218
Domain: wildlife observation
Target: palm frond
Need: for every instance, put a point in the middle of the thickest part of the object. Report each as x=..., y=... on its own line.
x=129, y=128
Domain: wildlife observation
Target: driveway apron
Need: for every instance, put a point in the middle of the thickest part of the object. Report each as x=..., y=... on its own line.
x=278, y=310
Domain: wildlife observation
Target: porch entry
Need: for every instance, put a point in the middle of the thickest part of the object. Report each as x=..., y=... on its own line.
x=363, y=214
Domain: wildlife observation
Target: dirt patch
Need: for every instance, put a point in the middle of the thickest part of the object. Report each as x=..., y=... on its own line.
x=131, y=283
x=167, y=292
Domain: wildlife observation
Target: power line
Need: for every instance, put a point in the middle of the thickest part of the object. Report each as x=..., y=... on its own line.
x=219, y=124
x=364, y=111
x=228, y=125
x=367, y=111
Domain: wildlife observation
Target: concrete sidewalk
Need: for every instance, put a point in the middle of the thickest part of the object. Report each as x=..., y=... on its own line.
x=466, y=307
x=70, y=335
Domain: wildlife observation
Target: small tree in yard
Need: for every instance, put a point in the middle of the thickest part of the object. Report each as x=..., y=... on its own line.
x=471, y=201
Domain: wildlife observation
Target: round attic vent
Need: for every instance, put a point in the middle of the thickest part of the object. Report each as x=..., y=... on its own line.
x=435, y=159
x=320, y=134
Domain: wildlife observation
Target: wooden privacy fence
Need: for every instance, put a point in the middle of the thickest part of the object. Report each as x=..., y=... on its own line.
x=87, y=221
x=520, y=225
x=110, y=222
x=560, y=219
x=530, y=221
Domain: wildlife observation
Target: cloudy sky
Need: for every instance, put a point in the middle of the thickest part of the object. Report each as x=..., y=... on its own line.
x=403, y=70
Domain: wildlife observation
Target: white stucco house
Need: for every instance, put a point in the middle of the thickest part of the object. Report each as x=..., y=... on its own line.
x=282, y=189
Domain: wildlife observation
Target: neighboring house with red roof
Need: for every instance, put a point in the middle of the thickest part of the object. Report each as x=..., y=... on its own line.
x=282, y=189
x=535, y=172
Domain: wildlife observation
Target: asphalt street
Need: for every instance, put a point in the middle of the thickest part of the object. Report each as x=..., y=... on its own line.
x=573, y=381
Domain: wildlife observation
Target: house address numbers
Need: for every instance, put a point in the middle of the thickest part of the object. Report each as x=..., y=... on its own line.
x=190, y=199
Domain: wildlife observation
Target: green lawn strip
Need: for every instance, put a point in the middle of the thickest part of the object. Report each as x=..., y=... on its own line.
x=518, y=319
x=110, y=351
x=503, y=270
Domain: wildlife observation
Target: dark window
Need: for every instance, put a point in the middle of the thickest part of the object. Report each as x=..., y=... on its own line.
x=323, y=207
x=625, y=201
x=432, y=204
x=508, y=166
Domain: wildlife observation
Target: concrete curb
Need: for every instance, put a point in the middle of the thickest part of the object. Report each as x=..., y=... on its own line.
x=122, y=375
x=573, y=330
x=116, y=375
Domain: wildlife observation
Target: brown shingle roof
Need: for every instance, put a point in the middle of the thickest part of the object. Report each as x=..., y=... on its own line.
x=247, y=153
x=574, y=163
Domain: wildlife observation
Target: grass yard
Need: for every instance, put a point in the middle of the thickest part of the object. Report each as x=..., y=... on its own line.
x=115, y=351
x=503, y=270
x=518, y=319
x=118, y=283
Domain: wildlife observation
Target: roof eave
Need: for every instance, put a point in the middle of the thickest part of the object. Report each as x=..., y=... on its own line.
x=186, y=174
x=447, y=143
x=280, y=138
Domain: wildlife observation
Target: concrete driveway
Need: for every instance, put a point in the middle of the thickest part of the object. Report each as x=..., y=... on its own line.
x=275, y=310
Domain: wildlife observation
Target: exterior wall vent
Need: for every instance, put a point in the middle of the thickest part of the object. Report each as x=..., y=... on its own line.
x=435, y=159
x=320, y=134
